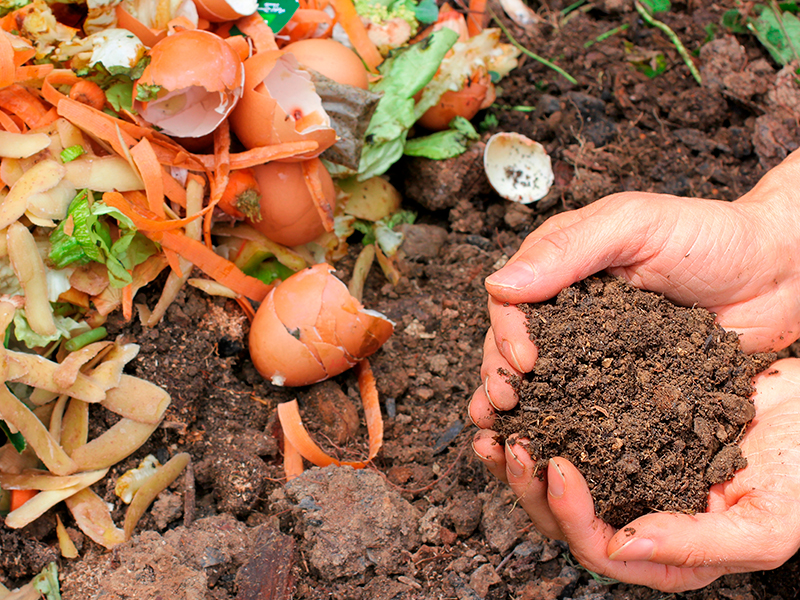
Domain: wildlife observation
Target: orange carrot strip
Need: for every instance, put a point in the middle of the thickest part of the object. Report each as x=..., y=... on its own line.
x=292, y=460
x=350, y=20
x=150, y=169
x=20, y=497
x=262, y=154
x=476, y=20
x=174, y=261
x=144, y=220
x=148, y=36
x=256, y=28
x=247, y=308
x=240, y=46
x=19, y=101
x=95, y=123
x=32, y=72
x=372, y=406
x=213, y=265
x=314, y=184
x=7, y=68
x=7, y=123
x=240, y=182
x=54, y=78
x=297, y=435
x=172, y=189
x=127, y=302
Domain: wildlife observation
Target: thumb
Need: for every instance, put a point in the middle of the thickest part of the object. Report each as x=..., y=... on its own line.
x=748, y=536
x=614, y=231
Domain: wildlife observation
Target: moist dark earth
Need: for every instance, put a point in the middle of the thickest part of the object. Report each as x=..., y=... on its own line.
x=427, y=521
x=646, y=398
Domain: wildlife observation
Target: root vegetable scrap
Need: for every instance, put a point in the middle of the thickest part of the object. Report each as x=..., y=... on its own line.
x=647, y=399
x=310, y=328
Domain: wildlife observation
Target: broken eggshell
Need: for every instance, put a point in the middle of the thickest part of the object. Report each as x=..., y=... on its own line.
x=518, y=168
x=197, y=79
x=310, y=328
x=280, y=104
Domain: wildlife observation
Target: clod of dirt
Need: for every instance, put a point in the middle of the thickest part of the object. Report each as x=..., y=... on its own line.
x=351, y=521
x=647, y=399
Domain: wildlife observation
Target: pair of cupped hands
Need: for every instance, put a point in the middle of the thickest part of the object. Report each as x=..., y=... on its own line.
x=740, y=260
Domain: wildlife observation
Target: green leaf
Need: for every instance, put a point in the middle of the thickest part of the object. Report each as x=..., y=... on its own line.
x=16, y=439
x=147, y=93
x=71, y=153
x=657, y=6
x=405, y=72
x=769, y=29
x=733, y=22
x=443, y=144
x=120, y=95
x=426, y=11
x=270, y=270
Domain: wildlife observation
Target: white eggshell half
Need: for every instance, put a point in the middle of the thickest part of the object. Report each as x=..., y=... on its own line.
x=518, y=168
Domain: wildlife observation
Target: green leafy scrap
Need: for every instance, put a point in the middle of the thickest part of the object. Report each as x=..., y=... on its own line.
x=85, y=236
x=778, y=33
x=404, y=73
x=270, y=270
x=657, y=6
x=147, y=93
x=16, y=439
x=46, y=582
x=71, y=153
x=443, y=144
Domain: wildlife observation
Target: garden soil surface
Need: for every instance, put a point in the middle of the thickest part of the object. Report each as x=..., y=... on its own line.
x=427, y=521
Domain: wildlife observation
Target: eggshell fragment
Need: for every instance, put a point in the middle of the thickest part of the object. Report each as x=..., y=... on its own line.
x=332, y=59
x=310, y=328
x=201, y=78
x=518, y=168
x=280, y=104
x=219, y=11
x=288, y=213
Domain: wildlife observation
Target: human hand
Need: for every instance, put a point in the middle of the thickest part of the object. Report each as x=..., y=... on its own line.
x=752, y=521
x=737, y=259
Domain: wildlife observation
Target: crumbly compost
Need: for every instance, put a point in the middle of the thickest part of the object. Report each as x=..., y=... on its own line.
x=646, y=398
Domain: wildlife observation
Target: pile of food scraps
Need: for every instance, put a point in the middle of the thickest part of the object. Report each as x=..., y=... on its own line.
x=231, y=145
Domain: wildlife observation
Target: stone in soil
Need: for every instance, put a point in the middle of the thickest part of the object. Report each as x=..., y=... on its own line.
x=646, y=398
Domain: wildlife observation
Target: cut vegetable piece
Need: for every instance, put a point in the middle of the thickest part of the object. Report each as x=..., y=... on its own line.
x=138, y=400
x=152, y=487
x=42, y=177
x=93, y=518
x=22, y=145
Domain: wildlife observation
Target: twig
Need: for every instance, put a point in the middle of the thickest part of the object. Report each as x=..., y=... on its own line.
x=673, y=37
x=533, y=55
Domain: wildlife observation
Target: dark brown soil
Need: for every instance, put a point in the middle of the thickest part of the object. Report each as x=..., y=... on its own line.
x=427, y=522
x=648, y=399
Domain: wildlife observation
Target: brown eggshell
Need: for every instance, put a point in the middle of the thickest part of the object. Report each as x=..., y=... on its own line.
x=288, y=213
x=332, y=59
x=312, y=307
x=465, y=102
x=259, y=120
x=277, y=354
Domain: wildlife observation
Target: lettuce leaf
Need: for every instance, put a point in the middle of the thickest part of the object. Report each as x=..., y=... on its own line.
x=65, y=327
x=404, y=73
x=85, y=236
x=443, y=144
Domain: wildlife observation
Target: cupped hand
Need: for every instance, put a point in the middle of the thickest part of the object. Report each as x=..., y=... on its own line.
x=752, y=522
x=737, y=259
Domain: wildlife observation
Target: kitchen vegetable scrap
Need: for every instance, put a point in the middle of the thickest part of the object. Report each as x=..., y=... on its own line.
x=148, y=136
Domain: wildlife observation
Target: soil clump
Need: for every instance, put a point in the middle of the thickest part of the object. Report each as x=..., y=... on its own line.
x=646, y=398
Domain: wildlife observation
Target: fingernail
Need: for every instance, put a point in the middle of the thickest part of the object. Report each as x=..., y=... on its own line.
x=637, y=549
x=511, y=356
x=515, y=276
x=515, y=466
x=485, y=459
x=556, y=485
x=488, y=395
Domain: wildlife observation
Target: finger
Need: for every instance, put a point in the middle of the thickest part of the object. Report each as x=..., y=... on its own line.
x=756, y=534
x=511, y=337
x=496, y=387
x=481, y=411
x=491, y=453
x=588, y=536
x=531, y=490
